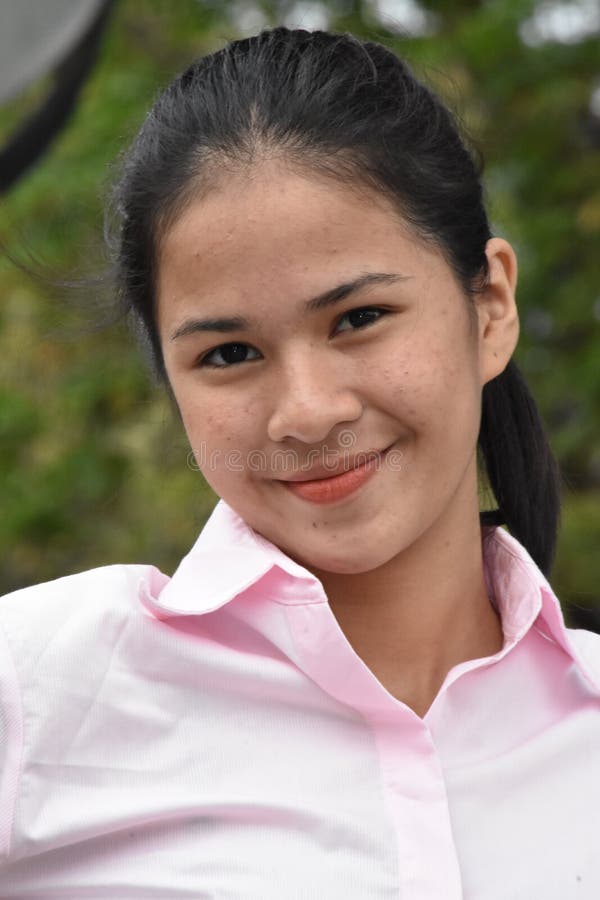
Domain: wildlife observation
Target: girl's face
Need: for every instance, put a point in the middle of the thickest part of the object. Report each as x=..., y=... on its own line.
x=305, y=331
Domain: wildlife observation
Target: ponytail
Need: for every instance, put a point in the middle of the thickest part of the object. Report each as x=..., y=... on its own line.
x=521, y=468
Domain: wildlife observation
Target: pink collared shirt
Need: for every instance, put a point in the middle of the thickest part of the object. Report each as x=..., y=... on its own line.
x=214, y=735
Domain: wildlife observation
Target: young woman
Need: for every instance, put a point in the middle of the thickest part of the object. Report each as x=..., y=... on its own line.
x=355, y=685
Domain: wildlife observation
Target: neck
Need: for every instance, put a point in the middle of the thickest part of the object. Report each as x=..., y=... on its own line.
x=423, y=612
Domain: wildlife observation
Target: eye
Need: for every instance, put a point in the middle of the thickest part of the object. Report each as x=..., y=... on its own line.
x=226, y=355
x=360, y=317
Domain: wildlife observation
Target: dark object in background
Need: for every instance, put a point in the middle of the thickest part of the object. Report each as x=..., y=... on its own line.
x=583, y=617
x=58, y=36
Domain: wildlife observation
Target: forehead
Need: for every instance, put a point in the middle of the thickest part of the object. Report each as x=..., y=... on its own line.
x=271, y=193
x=282, y=235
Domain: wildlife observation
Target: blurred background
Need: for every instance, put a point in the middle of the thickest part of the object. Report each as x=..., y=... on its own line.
x=94, y=465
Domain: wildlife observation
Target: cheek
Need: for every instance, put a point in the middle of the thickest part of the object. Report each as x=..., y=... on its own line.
x=434, y=389
x=221, y=434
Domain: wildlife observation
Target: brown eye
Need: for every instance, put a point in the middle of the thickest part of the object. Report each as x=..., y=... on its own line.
x=359, y=318
x=227, y=355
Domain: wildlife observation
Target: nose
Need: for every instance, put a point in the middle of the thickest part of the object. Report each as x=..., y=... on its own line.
x=309, y=401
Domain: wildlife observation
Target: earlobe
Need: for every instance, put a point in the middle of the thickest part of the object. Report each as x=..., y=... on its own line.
x=497, y=310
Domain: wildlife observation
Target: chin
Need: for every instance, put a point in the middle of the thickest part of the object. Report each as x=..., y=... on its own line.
x=345, y=563
x=349, y=567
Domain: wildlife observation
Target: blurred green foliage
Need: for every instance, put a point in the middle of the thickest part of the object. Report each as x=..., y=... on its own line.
x=93, y=459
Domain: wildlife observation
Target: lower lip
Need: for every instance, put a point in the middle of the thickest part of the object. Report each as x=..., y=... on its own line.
x=328, y=490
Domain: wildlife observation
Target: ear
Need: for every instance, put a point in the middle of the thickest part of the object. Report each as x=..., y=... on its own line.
x=497, y=310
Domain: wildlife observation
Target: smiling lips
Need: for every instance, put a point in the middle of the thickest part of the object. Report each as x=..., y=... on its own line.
x=335, y=487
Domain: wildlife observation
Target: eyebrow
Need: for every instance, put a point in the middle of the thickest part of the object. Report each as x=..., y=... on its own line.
x=334, y=295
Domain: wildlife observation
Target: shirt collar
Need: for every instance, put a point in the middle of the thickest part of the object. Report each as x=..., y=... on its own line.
x=229, y=557
x=525, y=599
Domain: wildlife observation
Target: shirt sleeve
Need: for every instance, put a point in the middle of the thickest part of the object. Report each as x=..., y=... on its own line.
x=11, y=741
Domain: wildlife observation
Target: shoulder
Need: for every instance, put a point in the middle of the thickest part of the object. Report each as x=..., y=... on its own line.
x=33, y=616
x=587, y=646
x=104, y=585
x=90, y=582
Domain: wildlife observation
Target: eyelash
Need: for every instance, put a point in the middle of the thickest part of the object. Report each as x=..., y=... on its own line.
x=203, y=361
